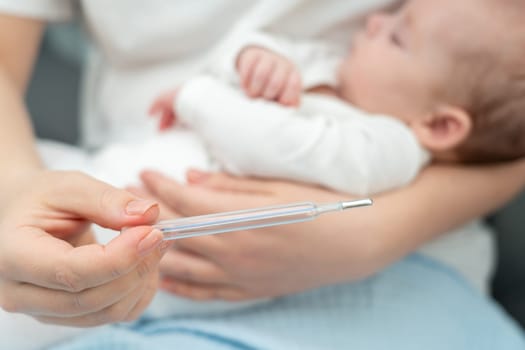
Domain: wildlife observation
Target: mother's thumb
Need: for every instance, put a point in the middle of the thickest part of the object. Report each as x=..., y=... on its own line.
x=93, y=200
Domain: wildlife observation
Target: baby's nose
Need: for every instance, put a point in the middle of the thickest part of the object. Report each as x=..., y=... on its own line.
x=375, y=23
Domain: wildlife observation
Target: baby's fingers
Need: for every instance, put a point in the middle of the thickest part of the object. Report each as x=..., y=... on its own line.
x=260, y=77
x=276, y=82
x=291, y=94
x=246, y=66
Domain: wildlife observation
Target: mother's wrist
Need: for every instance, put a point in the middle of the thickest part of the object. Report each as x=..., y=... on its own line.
x=15, y=179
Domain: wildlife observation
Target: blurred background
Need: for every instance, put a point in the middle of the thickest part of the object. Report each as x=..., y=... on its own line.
x=53, y=100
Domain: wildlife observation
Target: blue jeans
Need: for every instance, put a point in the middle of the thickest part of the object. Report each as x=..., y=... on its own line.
x=414, y=304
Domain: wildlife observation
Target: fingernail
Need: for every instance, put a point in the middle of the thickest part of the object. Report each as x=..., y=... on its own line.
x=194, y=175
x=139, y=206
x=150, y=242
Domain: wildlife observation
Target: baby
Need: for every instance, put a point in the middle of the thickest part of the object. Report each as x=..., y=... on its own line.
x=441, y=80
x=416, y=85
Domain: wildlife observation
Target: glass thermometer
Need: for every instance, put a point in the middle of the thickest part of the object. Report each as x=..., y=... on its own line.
x=251, y=218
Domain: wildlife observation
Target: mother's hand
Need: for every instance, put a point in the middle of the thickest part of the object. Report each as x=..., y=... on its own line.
x=258, y=263
x=51, y=267
x=334, y=248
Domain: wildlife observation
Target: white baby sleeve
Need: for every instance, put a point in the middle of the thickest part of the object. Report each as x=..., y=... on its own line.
x=317, y=61
x=354, y=154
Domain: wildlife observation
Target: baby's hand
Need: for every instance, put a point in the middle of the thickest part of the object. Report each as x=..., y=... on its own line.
x=163, y=106
x=268, y=75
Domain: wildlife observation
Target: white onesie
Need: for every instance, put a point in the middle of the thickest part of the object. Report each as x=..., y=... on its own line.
x=324, y=141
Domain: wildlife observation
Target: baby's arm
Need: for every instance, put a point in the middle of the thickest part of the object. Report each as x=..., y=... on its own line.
x=262, y=73
x=267, y=66
x=354, y=154
x=315, y=61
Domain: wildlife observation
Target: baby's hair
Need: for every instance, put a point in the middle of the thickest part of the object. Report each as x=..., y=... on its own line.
x=497, y=108
x=498, y=116
x=490, y=86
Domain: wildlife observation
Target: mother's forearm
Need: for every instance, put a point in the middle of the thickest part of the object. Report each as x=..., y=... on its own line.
x=441, y=199
x=333, y=248
x=19, y=42
x=18, y=156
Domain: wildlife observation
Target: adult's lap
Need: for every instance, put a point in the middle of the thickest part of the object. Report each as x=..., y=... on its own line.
x=415, y=304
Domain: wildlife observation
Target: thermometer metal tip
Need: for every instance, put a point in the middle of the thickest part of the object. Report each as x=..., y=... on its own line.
x=355, y=204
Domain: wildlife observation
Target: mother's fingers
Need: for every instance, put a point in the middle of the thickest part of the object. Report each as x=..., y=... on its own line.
x=183, y=265
x=186, y=200
x=165, y=212
x=101, y=204
x=257, y=191
x=149, y=292
x=127, y=309
x=39, y=301
x=226, y=182
x=197, y=200
x=203, y=292
x=60, y=266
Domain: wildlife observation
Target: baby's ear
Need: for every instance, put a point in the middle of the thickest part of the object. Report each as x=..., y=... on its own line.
x=444, y=129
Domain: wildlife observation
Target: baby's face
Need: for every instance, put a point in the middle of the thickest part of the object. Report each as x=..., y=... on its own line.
x=398, y=63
